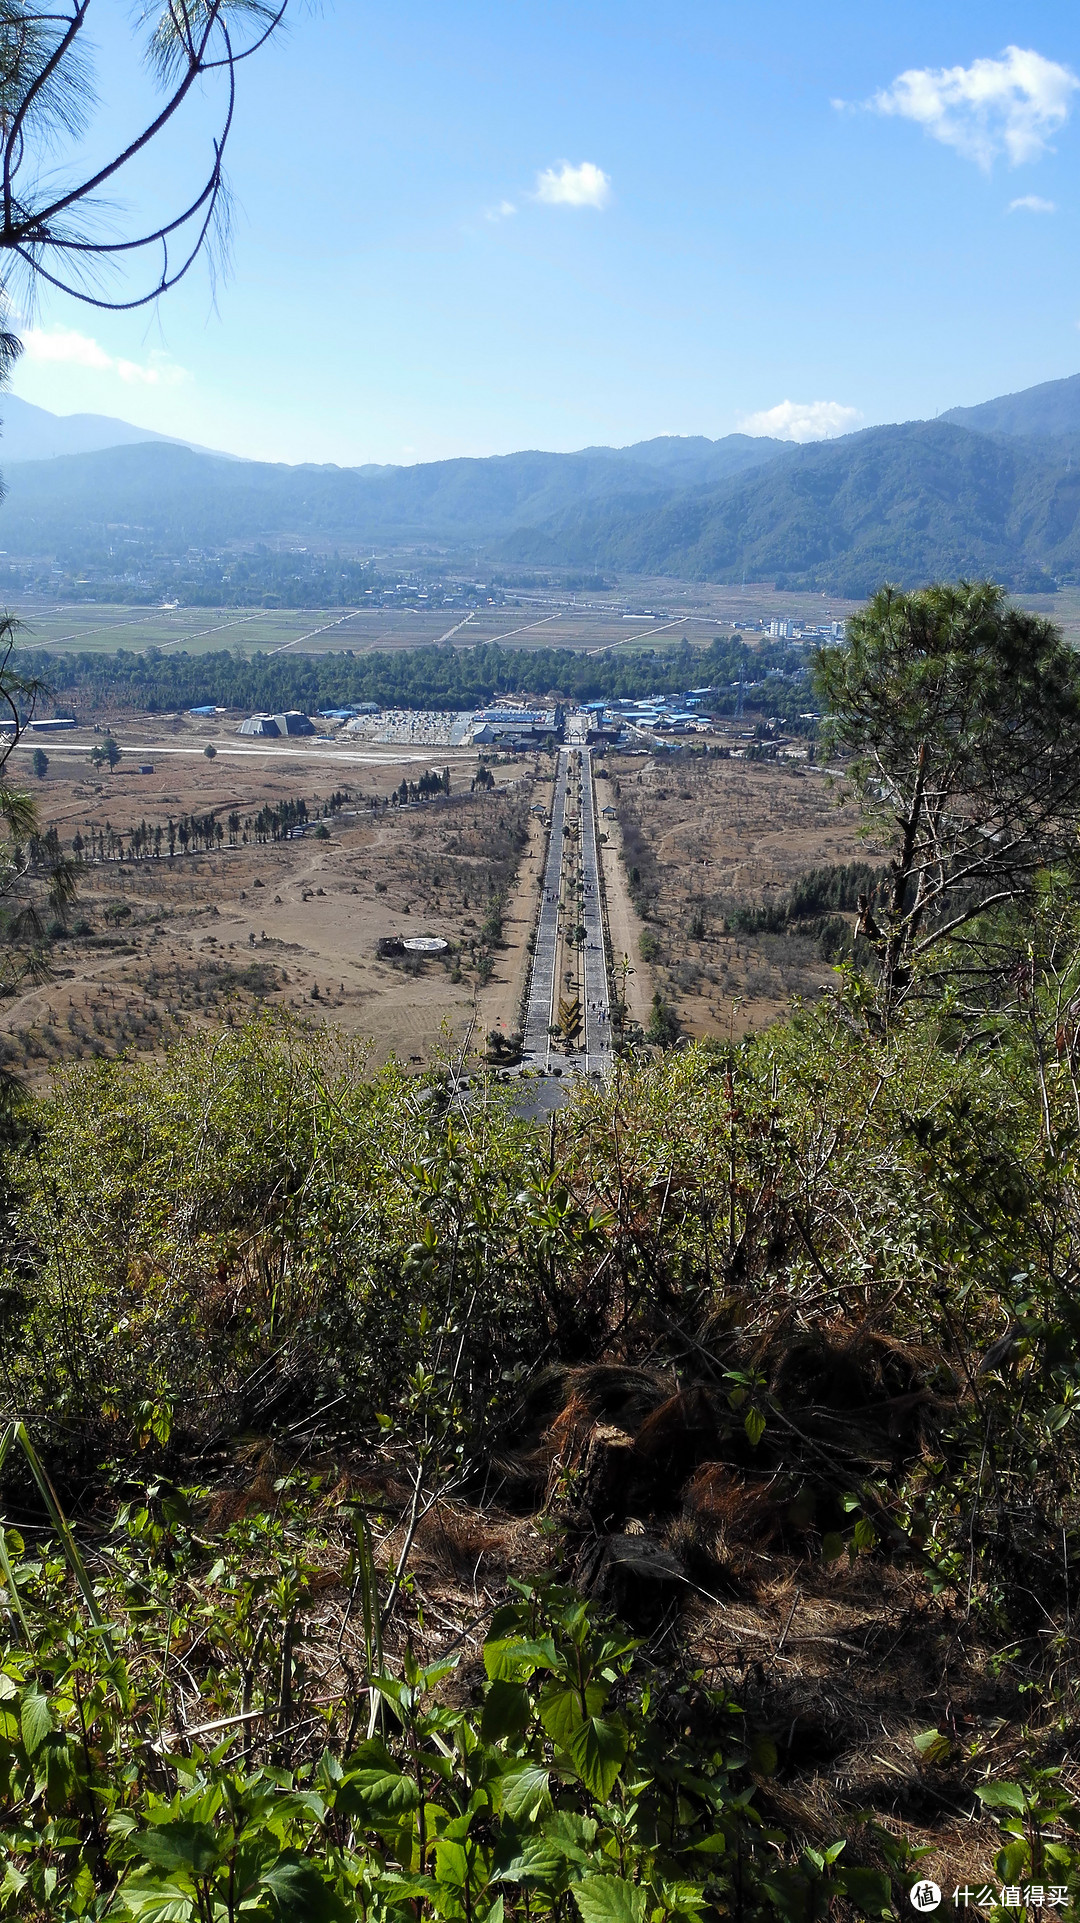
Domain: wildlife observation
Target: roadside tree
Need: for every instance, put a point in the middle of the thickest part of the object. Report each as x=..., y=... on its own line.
x=106, y=753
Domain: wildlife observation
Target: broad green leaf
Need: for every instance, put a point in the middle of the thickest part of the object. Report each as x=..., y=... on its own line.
x=506, y=1711
x=754, y=1424
x=869, y=1890
x=36, y=1720
x=157, y=1902
x=532, y=1860
x=179, y=1846
x=383, y=1791
x=610, y=1899
x=1001, y=1795
x=1011, y=1862
x=561, y=1712
x=513, y=1658
x=933, y=1745
x=598, y=1750
x=574, y=1834
x=298, y=1891
x=763, y=1756
x=525, y=1790
x=451, y=1863
x=681, y=1899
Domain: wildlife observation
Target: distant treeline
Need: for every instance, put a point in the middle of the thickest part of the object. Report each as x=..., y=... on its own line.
x=426, y=677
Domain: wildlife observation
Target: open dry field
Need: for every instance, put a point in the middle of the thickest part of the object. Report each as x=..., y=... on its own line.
x=293, y=923
x=703, y=836
x=539, y=618
x=158, y=943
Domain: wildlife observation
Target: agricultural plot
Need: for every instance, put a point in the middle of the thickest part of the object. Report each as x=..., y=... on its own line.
x=539, y=621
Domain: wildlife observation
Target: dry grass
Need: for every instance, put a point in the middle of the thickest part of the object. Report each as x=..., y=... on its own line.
x=704, y=835
x=155, y=946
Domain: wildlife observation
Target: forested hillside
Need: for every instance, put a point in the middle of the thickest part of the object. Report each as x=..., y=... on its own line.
x=166, y=493
x=670, y=1512
x=908, y=503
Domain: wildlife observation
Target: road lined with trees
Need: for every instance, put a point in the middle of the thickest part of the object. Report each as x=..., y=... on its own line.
x=568, y=1006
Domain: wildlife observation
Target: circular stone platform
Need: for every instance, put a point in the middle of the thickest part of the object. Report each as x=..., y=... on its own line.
x=424, y=945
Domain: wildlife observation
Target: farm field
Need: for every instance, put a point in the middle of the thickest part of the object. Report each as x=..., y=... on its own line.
x=541, y=621
x=292, y=924
x=541, y=618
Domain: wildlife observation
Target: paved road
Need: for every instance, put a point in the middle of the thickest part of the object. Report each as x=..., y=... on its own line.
x=597, y=1009
x=595, y=1053
x=537, y=1041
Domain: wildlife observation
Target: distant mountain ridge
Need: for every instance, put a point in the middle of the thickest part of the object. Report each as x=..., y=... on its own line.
x=1045, y=412
x=30, y=433
x=163, y=491
x=992, y=489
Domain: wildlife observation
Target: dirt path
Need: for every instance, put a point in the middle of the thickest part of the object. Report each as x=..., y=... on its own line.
x=499, y=1004
x=624, y=927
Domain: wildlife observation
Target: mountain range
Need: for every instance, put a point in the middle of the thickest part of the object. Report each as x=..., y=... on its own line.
x=992, y=489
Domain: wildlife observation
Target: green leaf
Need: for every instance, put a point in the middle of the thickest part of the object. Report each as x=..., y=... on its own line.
x=763, y=1756
x=157, y=1902
x=532, y=1860
x=598, y=1751
x=385, y=1792
x=574, y=1834
x=298, y=1891
x=179, y=1846
x=35, y=1720
x=610, y=1899
x=451, y=1863
x=506, y=1711
x=561, y=1712
x=1001, y=1795
x=832, y=1546
x=512, y=1658
x=754, y=1424
x=526, y=1789
x=1013, y=1860
x=933, y=1746
x=869, y=1890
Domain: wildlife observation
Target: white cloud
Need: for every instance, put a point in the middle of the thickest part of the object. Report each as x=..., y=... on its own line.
x=66, y=346
x=567, y=186
x=502, y=212
x=1009, y=106
x=1032, y=204
x=802, y=420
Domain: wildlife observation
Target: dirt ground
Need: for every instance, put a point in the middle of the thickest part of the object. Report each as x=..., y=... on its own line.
x=155, y=944
x=707, y=835
x=623, y=922
x=500, y=1003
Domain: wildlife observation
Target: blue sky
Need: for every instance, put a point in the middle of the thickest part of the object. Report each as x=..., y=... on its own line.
x=473, y=229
